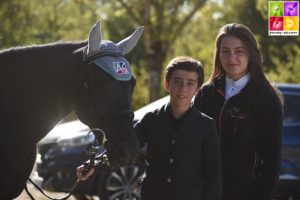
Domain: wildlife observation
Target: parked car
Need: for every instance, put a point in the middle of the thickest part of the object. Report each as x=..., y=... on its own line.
x=288, y=187
x=60, y=152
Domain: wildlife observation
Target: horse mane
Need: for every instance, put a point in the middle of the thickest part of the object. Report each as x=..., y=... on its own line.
x=40, y=81
x=57, y=44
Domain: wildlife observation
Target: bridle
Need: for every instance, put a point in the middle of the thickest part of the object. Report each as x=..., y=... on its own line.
x=108, y=121
x=88, y=63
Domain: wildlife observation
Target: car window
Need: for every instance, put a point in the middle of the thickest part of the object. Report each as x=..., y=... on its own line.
x=291, y=108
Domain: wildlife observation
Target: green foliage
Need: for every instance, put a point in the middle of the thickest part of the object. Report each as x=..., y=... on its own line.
x=287, y=67
x=164, y=21
x=141, y=93
x=173, y=28
x=197, y=39
x=41, y=21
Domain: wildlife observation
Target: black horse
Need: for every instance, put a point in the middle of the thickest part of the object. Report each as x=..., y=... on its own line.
x=41, y=84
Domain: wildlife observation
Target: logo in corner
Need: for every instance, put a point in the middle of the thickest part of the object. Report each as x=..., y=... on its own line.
x=283, y=18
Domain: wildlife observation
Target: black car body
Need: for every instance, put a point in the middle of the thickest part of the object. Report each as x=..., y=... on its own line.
x=58, y=156
x=289, y=181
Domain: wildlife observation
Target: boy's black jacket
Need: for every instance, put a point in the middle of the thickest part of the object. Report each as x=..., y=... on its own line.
x=183, y=165
x=250, y=131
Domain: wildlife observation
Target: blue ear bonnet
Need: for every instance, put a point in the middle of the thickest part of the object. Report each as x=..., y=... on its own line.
x=111, y=60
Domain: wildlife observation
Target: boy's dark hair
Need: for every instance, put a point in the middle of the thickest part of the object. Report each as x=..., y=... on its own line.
x=185, y=63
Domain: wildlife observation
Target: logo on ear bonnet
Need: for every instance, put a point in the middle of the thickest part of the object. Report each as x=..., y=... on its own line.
x=120, y=68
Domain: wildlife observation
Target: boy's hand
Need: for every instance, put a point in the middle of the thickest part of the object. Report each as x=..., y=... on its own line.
x=83, y=176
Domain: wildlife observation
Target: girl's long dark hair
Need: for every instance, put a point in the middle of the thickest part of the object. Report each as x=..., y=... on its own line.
x=255, y=57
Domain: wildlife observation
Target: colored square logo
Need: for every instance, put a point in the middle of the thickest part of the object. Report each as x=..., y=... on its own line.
x=291, y=8
x=291, y=23
x=276, y=23
x=276, y=9
x=283, y=18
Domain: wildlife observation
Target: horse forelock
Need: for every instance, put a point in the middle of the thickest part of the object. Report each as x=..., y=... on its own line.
x=109, y=46
x=105, y=47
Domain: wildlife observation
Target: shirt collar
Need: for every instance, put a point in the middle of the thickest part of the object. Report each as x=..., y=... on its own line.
x=232, y=87
x=240, y=83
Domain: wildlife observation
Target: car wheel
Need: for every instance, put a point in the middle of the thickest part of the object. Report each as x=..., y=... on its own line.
x=123, y=183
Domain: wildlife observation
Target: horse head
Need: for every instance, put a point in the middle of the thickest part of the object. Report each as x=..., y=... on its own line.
x=105, y=98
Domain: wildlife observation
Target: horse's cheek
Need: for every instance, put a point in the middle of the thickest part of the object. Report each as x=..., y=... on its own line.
x=84, y=109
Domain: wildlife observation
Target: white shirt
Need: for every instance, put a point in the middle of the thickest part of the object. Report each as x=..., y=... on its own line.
x=234, y=87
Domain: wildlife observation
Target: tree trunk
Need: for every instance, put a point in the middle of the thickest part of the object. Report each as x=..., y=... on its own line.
x=154, y=84
x=156, y=61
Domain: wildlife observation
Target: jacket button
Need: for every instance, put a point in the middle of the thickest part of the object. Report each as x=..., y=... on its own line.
x=171, y=160
x=169, y=180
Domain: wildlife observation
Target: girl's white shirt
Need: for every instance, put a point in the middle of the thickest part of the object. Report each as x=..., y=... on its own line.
x=234, y=87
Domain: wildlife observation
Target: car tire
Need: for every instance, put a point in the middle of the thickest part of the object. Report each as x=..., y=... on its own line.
x=123, y=183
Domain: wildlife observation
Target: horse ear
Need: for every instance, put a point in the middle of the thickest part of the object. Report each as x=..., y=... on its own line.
x=127, y=44
x=95, y=37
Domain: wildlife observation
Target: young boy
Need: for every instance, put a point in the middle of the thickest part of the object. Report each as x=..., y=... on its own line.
x=182, y=146
x=182, y=151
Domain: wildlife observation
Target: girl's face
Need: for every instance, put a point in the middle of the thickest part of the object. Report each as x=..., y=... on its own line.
x=234, y=57
x=182, y=87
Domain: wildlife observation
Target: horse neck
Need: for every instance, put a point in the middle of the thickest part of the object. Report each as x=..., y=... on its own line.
x=41, y=82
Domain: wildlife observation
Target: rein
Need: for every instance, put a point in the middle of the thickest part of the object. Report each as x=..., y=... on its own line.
x=42, y=192
x=94, y=160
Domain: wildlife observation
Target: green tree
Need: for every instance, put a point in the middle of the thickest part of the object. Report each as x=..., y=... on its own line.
x=164, y=21
x=281, y=54
x=175, y=27
x=41, y=21
x=30, y=22
x=197, y=39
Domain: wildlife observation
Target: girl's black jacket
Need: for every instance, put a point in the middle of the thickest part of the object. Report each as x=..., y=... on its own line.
x=249, y=126
x=183, y=156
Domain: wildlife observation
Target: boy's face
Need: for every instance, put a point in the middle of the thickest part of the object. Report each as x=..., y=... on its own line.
x=182, y=86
